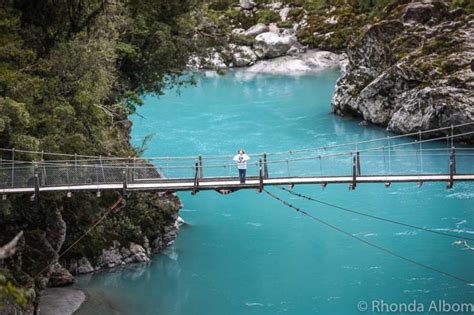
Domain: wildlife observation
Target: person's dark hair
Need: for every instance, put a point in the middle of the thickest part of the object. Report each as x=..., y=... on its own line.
x=243, y=151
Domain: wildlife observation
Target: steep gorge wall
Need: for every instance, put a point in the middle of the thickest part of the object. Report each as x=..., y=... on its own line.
x=412, y=71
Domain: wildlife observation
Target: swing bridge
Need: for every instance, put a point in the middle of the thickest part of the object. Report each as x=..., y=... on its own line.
x=424, y=156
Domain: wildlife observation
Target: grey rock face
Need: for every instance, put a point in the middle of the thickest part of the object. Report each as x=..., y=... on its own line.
x=243, y=56
x=411, y=73
x=56, y=229
x=83, y=266
x=117, y=255
x=419, y=12
x=110, y=257
x=60, y=276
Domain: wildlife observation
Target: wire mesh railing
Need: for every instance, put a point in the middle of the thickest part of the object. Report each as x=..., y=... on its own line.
x=412, y=154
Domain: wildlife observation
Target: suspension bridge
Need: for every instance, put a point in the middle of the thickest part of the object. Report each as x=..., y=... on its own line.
x=425, y=156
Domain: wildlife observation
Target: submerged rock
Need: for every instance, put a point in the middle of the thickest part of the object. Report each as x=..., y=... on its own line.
x=61, y=301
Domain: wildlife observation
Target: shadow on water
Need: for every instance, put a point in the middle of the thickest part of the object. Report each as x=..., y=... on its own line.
x=111, y=297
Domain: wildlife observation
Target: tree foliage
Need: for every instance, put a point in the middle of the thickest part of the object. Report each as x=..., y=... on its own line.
x=72, y=70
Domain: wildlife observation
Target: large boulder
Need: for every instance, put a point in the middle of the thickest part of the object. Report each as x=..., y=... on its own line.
x=60, y=276
x=134, y=253
x=284, y=13
x=247, y=4
x=243, y=56
x=256, y=30
x=82, y=266
x=271, y=45
x=422, y=12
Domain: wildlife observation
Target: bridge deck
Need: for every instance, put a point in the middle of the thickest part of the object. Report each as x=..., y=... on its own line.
x=232, y=183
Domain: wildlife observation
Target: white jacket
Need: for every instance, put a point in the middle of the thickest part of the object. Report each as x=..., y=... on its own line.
x=241, y=160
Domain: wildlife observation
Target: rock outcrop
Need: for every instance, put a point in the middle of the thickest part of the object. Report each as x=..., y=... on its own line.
x=60, y=276
x=118, y=255
x=412, y=71
x=255, y=30
x=243, y=56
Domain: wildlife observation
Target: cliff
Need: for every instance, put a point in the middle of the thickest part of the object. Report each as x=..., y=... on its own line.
x=411, y=71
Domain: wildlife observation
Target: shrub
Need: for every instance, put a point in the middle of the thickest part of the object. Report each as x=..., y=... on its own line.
x=267, y=16
x=285, y=24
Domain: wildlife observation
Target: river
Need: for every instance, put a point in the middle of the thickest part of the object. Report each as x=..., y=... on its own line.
x=245, y=253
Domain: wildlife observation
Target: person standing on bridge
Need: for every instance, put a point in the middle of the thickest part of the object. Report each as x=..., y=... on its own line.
x=241, y=158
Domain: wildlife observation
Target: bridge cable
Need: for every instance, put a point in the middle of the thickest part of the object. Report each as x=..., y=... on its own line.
x=375, y=217
x=93, y=226
x=383, y=249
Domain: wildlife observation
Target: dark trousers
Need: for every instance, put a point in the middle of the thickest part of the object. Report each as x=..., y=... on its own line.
x=242, y=175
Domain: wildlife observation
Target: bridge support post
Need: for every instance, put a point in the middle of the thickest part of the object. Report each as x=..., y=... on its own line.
x=353, y=185
x=13, y=167
x=134, y=168
x=265, y=166
x=260, y=176
x=358, y=163
x=196, y=179
x=200, y=167
x=130, y=170
x=124, y=178
x=452, y=168
x=37, y=182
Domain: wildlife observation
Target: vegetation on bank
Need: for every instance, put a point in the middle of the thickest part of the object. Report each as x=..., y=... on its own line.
x=70, y=74
x=328, y=24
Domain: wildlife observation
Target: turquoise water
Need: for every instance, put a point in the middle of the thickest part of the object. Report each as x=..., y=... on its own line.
x=244, y=253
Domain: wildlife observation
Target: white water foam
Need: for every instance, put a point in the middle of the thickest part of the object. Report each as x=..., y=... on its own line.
x=253, y=304
x=406, y=233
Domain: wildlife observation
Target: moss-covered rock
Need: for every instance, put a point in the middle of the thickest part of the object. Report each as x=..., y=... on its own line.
x=411, y=71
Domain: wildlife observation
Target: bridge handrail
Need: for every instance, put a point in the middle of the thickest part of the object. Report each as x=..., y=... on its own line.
x=62, y=163
x=419, y=133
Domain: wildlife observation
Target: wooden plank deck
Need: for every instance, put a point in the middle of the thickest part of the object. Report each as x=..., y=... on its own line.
x=231, y=183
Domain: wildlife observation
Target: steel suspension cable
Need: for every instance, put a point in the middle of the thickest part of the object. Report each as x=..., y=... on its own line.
x=381, y=248
x=277, y=153
x=374, y=216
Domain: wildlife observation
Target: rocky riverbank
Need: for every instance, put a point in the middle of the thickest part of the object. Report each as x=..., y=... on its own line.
x=410, y=63
x=414, y=70
x=272, y=35
x=144, y=225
